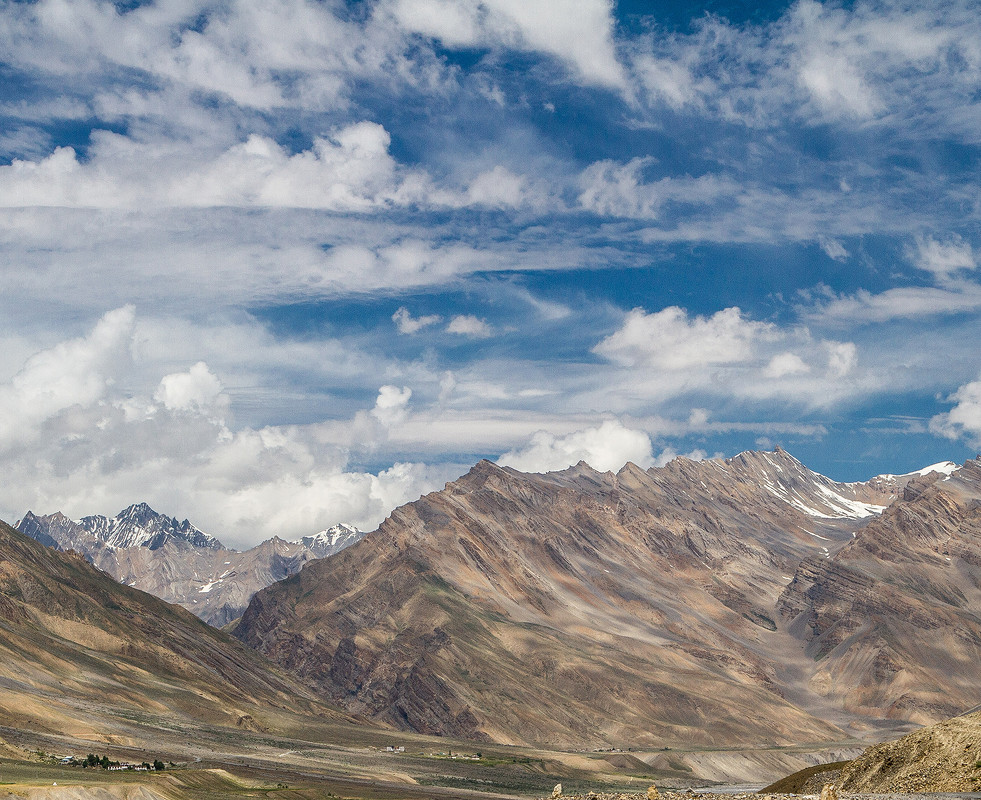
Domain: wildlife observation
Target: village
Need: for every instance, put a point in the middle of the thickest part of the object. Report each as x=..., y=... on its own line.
x=92, y=760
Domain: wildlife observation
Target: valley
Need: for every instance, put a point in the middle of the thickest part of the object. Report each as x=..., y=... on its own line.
x=702, y=623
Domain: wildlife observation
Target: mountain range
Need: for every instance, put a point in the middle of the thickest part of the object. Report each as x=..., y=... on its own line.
x=743, y=600
x=746, y=602
x=179, y=563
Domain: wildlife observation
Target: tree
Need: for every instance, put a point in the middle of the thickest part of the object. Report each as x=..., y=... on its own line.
x=158, y=765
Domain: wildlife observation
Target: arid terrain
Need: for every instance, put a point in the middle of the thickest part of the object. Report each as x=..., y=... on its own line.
x=711, y=623
x=745, y=601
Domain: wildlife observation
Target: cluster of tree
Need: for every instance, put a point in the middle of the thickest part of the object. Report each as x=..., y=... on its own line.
x=92, y=760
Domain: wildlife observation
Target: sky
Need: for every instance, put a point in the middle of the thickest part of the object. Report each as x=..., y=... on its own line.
x=274, y=265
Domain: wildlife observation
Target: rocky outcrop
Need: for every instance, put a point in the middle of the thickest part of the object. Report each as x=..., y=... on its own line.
x=941, y=758
x=577, y=607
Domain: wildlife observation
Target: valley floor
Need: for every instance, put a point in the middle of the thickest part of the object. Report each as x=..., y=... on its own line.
x=314, y=761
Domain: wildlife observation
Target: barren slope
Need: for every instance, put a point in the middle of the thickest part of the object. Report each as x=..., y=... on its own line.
x=941, y=758
x=575, y=607
x=893, y=620
x=76, y=646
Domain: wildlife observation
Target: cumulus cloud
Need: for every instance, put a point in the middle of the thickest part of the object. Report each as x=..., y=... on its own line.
x=82, y=432
x=786, y=364
x=407, y=324
x=390, y=407
x=198, y=390
x=351, y=170
x=669, y=454
x=670, y=354
x=670, y=339
x=606, y=447
x=963, y=421
x=499, y=188
x=469, y=325
x=74, y=373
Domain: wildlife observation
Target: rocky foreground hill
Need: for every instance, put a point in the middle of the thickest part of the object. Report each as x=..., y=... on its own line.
x=940, y=758
x=709, y=602
x=179, y=563
x=945, y=757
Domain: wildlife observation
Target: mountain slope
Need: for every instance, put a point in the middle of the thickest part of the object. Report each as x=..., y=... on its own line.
x=574, y=608
x=893, y=620
x=77, y=648
x=177, y=562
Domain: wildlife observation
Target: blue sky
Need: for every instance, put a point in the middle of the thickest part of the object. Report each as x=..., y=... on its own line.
x=273, y=266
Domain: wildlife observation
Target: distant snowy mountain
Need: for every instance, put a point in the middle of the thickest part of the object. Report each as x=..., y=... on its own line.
x=141, y=526
x=332, y=540
x=178, y=562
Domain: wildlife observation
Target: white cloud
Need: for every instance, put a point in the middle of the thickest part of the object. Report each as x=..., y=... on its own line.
x=578, y=32
x=351, y=170
x=78, y=372
x=669, y=454
x=670, y=339
x=943, y=259
x=911, y=302
x=499, y=188
x=842, y=357
x=833, y=249
x=837, y=86
x=785, y=364
x=198, y=390
x=622, y=190
x=84, y=430
x=666, y=79
x=963, y=421
x=606, y=447
x=407, y=324
x=390, y=407
x=260, y=55
x=469, y=325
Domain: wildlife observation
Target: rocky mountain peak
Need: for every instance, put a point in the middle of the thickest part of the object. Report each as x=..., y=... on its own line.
x=332, y=540
x=139, y=525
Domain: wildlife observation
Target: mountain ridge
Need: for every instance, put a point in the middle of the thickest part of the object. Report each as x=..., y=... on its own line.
x=560, y=607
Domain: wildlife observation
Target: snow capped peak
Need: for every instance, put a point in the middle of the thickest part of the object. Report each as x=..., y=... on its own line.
x=943, y=467
x=332, y=540
x=140, y=526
